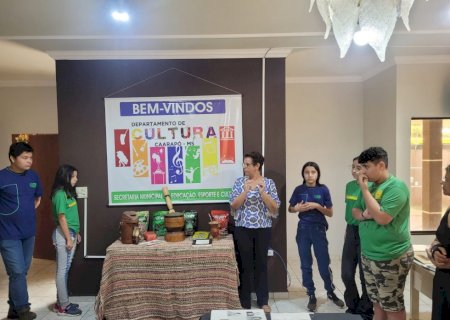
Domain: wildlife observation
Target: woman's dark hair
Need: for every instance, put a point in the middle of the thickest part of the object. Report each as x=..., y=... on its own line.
x=256, y=158
x=17, y=148
x=316, y=166
x=62, y=181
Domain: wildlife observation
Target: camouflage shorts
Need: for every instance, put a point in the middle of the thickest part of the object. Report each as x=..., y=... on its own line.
x=385, y=280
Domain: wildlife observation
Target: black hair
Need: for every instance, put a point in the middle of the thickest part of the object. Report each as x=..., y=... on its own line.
x=256, y=158
x=17, y=148
x=375, y=155
x=355, y=158
x=316, y=166
x=62, y=181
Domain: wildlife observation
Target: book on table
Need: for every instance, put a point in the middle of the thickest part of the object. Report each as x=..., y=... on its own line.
x=202, y=242
x=201, y=235
x=201, y=238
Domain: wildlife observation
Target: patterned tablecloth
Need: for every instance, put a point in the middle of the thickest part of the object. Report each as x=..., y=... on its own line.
x=167, y=280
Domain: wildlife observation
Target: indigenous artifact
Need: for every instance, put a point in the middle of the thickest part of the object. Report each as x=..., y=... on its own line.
x=127, y=224
x=174, y=221
x=143, y=217
x=214, y=229
x=136, y=235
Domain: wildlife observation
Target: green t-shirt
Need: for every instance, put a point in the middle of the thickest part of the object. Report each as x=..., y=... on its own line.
x=67, y=206
x=352, y=193
x=386, y=242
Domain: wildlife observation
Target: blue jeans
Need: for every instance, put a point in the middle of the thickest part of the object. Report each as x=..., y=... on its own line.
x=17, y=255
x=63, y=261
x=315, y=235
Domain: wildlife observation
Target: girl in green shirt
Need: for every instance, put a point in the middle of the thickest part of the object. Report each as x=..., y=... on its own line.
x=66, y=235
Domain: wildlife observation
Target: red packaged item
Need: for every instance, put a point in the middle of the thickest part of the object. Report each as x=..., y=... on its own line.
x=150, y=236
x=222, y=217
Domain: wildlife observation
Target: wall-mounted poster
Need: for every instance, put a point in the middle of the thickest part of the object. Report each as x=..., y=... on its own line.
x=192, y=145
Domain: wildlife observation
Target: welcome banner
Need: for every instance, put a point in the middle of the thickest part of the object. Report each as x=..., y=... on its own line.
x=192, y=145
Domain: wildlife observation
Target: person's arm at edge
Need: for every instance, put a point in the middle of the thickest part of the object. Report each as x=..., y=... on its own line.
x=373, y=209
x=326, y=211
x=323, y=210
x=65, y=229
x=268, y=200
x=240, y=199
x=37, y=202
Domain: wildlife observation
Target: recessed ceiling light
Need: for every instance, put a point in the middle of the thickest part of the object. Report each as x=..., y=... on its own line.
x=121, y=16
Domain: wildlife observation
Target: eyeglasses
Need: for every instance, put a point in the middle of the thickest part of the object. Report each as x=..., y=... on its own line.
x=246, y=165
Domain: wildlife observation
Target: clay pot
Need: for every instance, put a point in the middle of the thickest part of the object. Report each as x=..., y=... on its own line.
x=127, y=224
x=214, y=229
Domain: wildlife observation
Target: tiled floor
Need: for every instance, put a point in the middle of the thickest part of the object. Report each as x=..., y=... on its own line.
x=42, y=293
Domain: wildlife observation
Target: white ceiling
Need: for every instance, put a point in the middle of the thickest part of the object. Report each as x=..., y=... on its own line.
x=34, y=32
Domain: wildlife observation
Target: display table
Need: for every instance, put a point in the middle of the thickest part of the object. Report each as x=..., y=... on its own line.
x=167, y=280
x=421, y=280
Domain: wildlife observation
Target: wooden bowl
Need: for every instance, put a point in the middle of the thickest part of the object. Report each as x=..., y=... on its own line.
x=174, y=222
x=174, y=236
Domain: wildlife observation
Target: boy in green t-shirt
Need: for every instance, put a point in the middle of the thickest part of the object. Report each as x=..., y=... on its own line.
x=383, y=212
x=351, y=253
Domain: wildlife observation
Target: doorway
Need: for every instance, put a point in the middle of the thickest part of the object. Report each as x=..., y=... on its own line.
x=45, y=163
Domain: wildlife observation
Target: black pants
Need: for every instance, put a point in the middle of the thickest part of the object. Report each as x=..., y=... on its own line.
x=441, y=295
x=252, y=245
x=351, y=258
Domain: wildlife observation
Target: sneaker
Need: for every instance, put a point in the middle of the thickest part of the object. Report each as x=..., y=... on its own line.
x=312, y=303
x=26, y=314
x=56, y=306
x=332, y=296
x=71, y=310
x=12, y=314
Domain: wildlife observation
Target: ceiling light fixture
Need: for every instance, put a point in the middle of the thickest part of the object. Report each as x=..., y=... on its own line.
x=376, y=21
x=121, y=16
x=119, y=11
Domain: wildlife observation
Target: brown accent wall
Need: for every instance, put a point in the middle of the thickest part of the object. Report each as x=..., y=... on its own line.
x=81, y=89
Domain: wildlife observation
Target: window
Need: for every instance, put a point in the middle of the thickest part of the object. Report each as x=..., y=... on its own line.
x=430, y=154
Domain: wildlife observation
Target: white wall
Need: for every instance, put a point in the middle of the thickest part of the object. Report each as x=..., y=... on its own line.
x=326, y=123
x=380, y=113
x=25, y=110
x=422, y=91
x=323, y=124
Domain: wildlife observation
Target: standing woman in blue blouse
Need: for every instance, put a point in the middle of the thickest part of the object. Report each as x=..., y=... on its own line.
x=254, y=201
x=312, y=201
